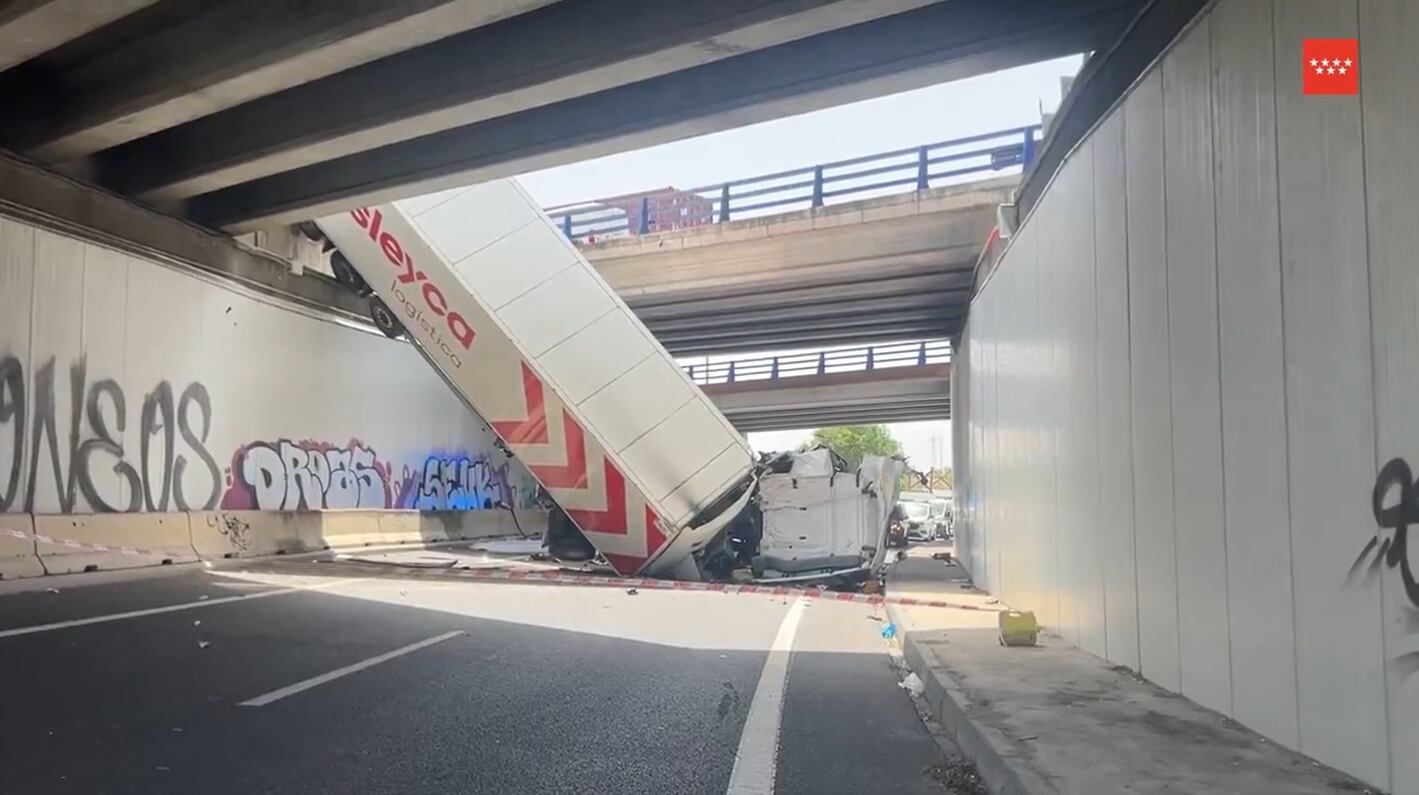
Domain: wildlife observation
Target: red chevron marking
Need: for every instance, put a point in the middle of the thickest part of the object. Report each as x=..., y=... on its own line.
x=654, y=540
x=533, y=429
x=571, y=475
x=611, y=521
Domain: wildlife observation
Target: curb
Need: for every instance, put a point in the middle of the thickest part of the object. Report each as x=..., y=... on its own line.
x=1000, y=768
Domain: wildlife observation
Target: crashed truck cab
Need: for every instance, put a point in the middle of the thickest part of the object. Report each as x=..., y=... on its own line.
x=637, y=460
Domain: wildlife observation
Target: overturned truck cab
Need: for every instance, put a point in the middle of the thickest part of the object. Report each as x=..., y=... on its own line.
x=646, y=474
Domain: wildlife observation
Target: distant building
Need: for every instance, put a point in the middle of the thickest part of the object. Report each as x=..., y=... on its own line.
x=669, y=208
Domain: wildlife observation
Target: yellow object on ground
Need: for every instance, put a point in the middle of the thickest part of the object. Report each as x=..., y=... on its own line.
x=1018, y=628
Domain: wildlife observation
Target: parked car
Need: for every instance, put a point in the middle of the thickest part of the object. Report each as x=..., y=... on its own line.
x=917, y=518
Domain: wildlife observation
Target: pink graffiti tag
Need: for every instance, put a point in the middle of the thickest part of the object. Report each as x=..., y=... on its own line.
x=307, y=475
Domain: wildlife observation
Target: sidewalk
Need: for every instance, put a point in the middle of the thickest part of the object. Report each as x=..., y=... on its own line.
x=1055, y=719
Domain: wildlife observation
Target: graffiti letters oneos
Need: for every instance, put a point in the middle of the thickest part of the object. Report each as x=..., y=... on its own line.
x=1395, y=502
x=456, y=483
x=306, y=475
x=160, y=479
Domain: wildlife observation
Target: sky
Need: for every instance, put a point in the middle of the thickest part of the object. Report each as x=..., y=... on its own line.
x=1010, y=98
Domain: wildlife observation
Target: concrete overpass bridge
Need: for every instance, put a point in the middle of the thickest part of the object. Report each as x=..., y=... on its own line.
x=849, y=386
x=243, y=116
x=809, y=257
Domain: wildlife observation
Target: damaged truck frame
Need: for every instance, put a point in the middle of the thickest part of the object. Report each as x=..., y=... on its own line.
x=644, y=471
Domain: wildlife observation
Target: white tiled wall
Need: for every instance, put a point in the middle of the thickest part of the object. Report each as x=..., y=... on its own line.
x=1175, y=393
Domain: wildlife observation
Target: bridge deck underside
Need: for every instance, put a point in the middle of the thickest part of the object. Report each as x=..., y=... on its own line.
x=878, y=270
x=899, y=394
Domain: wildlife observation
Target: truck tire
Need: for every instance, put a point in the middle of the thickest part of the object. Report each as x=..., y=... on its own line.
x=563, y=540
x=347, y=276
x=385, y=319
x=311, y=231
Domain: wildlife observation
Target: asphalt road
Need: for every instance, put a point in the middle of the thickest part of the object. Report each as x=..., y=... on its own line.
x=313, y=678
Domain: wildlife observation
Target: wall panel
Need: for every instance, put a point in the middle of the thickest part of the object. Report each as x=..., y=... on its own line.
x=1330, y=403
x=1389, y=30
x=1115, y=423
x=1196, y=392
x=16, y=296
x=56, y=390
x=1151, y=387
x=1262, y=626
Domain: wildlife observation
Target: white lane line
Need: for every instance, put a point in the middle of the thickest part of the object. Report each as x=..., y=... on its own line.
x=153, y=611
x=291, y=690
x=756, y=761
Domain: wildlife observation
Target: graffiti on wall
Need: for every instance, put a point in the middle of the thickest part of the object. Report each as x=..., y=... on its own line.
x=457, y=483
x=90, y=467
x=1395, y=503
x=286, y=475
x=87, y=446
x=308, y=475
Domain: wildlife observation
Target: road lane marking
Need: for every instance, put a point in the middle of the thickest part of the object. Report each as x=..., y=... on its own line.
x=291, y=690
x=153, y=611
x=756, y=761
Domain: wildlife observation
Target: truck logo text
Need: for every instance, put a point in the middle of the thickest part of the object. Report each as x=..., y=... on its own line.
x=371, y=221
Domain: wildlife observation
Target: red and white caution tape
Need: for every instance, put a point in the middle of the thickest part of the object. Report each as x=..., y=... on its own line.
x=72, y=544
x=568, y=578
x=586, y=580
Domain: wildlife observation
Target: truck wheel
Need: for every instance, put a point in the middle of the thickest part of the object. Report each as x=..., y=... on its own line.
x=385, y=319
x=310, y=230
x=347, y=276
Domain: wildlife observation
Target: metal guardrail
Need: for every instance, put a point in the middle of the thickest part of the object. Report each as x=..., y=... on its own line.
x=811, y=186
x=840, y=360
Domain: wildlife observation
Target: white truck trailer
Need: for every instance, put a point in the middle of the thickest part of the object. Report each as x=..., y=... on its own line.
x=535, y=342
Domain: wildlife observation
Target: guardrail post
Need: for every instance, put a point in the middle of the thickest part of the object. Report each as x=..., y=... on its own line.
x=921, y=354
x=922, y=180
x=817, y=186
x=724, y=203
x=773, y=370
x=822, y=363
x=869, y=358
x=1027, y=155
x=645, y=216
x=691, y=370
x=567, y=226
x=730, y=378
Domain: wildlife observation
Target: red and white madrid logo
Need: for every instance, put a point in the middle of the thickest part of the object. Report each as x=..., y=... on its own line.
x=1330, y=66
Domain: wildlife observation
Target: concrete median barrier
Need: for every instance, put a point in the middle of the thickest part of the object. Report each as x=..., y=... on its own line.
x=218, y=535
x=18, y=557
x=341, y=529
x=100, y=542
x=463, y=525
x=407, y=527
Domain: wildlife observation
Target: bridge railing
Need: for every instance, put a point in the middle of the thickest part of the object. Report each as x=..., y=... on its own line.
x=839, y=360
x=916, y=168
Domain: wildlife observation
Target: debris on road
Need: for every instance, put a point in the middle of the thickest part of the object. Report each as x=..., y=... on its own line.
x=632, y=591
x=197, y=623
x=52, y=590
x=889, y=630
x=202, y=644
x=958, y=776
x=944, y=557
x=913, y=684
x=509, y=546
x=204, y=597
